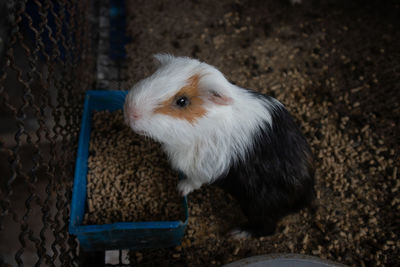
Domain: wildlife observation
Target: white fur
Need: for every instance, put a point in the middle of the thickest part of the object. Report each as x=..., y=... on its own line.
x=205, y=149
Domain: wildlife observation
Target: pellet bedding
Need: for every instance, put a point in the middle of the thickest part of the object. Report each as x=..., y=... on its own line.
x=336, y=66
x=129, y=179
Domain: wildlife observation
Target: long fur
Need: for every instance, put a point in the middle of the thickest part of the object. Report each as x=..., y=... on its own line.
x=276, y=178
x=206, y=150
x=251, y=146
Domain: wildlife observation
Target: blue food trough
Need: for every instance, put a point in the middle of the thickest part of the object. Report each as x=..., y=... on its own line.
x=120, y=235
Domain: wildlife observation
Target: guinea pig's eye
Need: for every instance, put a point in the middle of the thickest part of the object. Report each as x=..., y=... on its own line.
x=182, y=101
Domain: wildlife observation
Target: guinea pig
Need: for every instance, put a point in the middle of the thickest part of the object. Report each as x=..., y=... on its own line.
x=218, y=133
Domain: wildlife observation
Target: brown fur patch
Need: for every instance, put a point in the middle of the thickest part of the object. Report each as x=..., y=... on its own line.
x=191, y=112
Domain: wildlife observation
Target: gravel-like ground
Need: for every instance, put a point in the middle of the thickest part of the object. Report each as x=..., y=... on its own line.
x=336, y=66
x=119, y=166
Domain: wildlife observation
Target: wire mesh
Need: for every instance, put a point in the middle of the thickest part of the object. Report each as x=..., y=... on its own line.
x=47, y=62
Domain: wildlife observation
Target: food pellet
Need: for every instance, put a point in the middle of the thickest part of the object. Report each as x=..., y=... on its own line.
x=129, y=178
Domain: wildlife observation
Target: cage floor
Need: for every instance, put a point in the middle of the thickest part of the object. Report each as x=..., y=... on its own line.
x=336, y=66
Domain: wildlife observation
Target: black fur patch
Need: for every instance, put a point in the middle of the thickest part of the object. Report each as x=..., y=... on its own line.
x=277, y=178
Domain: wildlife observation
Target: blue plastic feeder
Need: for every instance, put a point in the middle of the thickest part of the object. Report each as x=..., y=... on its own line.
x=120, y=235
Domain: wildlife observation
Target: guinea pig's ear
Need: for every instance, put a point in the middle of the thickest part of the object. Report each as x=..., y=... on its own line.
x=219, y=98
x=162, y=59
x=214, y=89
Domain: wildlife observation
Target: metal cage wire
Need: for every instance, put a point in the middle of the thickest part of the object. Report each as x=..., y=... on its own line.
x=47, y=63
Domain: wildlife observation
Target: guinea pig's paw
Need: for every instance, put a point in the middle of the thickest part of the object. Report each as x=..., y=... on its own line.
x=239, y=233
x=185, y=187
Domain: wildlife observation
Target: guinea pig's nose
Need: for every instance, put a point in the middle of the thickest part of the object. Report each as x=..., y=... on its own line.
x=131, y=114
x=134, y=114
